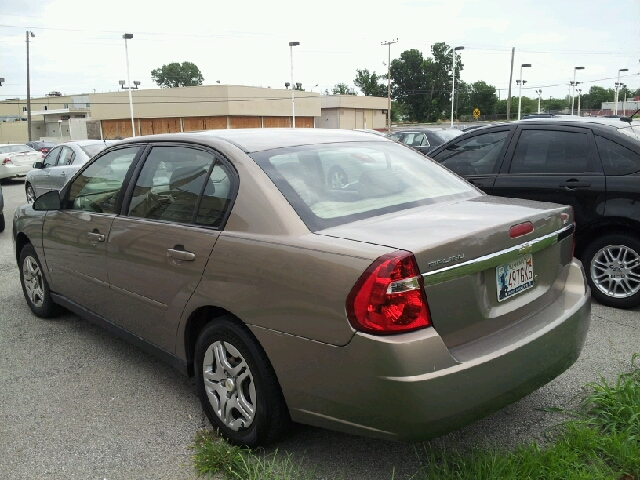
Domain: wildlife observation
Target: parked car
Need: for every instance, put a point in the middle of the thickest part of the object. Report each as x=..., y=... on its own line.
x=592, y=164
x=2, y=222
x=17, y=159
x=43, y=147
x=404, y=308
x=60, y=165
x=424, y=139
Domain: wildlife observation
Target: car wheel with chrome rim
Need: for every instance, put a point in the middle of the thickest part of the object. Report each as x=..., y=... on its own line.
x=34, y=284
x=613, y=266
x=237, y=384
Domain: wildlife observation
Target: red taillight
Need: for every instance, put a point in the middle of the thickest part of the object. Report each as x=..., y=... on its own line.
x=521, y=229
x=6, y=160
x=44, y=150
x=389, y=296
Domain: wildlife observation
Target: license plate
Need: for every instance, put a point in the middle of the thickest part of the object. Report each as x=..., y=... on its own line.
x=514, y=278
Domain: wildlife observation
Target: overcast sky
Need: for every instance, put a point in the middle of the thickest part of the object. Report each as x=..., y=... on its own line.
x=78, y=47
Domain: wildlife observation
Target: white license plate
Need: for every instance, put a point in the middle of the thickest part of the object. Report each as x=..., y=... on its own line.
x=514, y=278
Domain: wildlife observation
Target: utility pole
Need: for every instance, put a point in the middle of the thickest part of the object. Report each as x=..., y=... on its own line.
x=293, y=86
x=129, y=36
x=29, y=88
x=453, y=79
x=389, y=83
x=513, y=52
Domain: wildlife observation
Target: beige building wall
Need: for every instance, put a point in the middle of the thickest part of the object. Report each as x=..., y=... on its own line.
x=203, y=101
x=12, y=108
x=352, y=111
x=13, y=132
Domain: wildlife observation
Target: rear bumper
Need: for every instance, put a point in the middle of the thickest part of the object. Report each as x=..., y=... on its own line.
x=411, y=387
x=9, y=170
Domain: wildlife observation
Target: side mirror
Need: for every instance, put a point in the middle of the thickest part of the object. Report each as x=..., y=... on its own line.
x=47, y=201
x=38, y=165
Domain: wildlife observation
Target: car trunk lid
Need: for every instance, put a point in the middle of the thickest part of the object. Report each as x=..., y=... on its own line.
x=459, y=247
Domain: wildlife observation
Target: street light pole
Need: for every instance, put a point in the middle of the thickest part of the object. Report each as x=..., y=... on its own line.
x=29, y=34
x=389, y=83
x=129, y=36
x=579, y=95
x=293, y=86
x=615, y=103
x=573, y=86
x=539, y=92
x=524, y=65
x=624, y=102
x=453, y=81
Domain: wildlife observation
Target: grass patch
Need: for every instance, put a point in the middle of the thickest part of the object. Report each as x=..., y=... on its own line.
x=600, y=441
x=214, y=456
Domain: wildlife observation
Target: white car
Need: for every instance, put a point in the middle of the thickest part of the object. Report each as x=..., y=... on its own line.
x=17, y=159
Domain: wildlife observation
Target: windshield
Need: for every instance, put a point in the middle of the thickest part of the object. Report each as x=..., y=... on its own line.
x=632, y=130
x=338, y=183
x=15, y=149
x=94, y=149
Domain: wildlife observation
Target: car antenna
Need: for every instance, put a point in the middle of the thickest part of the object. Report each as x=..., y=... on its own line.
x=630, y=117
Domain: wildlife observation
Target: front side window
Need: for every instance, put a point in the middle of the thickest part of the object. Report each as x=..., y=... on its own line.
x=549, y=151
x=333, y=184
x=66, y=157
x=97, y=188
x=170, y=184
x=52, y=157
x=616, y=159
x=477, y=155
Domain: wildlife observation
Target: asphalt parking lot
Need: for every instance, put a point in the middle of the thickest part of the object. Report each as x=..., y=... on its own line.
x=78, y=402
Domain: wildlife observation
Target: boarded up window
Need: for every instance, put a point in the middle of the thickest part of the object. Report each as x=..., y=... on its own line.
x=276, y=122
x=304, y=122
x=214, y=123
x=193, y=123
x=246, y=122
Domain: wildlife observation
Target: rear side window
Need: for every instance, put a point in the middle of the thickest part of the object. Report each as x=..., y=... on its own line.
x=548, y=151
x=477, y=155
x=616, y=159
x=170, y=184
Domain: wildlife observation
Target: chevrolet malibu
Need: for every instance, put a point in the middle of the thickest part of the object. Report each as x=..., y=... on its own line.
x=401, y=305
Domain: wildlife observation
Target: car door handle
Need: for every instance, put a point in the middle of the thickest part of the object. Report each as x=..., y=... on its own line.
x=180, y=253
x=63, y=173
x=96, y=236
x=573, y=184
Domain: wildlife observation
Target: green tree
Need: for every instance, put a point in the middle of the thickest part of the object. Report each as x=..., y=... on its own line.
x=185, y=74
x=595, y=97
x=369, y=83
x=342, y=89
x=424, y=85
x=463, y=104
x=483, y=97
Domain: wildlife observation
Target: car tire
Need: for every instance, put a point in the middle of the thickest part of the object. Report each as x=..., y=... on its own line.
x=34, y=284
x=237, y=385
x=612, y=263
x=2, y=224
x=31, y=193
x=337, y=177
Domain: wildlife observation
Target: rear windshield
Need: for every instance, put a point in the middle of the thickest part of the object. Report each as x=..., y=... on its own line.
x=338, y=183
x=449, y=134
x=94, y=149
x=15, y=149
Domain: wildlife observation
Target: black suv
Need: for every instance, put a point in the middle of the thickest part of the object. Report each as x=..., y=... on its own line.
x=592, y=164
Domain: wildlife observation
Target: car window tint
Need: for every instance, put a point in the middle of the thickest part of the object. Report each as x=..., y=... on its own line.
x=395, y=136
x=548, y=151
x=96, y=189
x=170, y=184
x=616, y=159
x=414, y=139
x=215, y=198
x=477, y=155
x=52, y=157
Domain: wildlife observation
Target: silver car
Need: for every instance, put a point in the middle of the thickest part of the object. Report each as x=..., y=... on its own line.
x=60, y=165
x=16, y=160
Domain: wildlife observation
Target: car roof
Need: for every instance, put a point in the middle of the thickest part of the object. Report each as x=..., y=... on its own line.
x=259, y=139
x=574, y=119
x=82, y=143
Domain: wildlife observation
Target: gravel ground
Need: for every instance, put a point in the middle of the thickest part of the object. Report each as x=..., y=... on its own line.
x=78, y=402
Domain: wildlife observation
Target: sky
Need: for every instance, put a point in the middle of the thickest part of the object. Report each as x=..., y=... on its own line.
x=78, y=45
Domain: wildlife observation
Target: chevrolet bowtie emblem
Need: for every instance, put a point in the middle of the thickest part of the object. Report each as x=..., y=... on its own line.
x=526, y=248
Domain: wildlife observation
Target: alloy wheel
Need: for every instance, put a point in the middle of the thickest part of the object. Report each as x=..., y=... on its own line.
x=615, y=271
x=229, y=385
x=31, y=194
x=33, y=281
